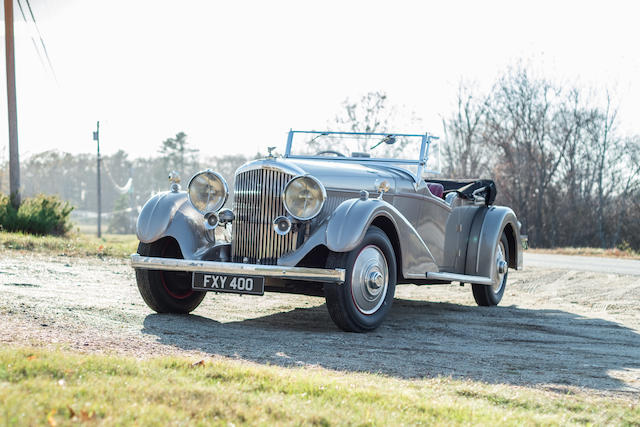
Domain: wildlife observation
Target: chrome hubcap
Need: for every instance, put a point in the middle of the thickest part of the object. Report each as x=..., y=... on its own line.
x=376, y=280
x=501, y=267
x=369, y=279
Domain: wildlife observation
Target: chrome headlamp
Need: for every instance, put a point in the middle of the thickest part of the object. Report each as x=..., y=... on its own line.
x=304, y=197
x=208, y=191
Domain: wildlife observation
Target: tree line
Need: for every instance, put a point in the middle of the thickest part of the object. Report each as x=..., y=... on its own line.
x=126, y=183
x=554, y=150
x=557, y=156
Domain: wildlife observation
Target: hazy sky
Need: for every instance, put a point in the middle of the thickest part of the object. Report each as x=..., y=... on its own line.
x=235, y=76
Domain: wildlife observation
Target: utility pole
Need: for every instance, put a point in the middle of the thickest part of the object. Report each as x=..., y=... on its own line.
x=14, y=157
x=96, y=137
x=132, y=214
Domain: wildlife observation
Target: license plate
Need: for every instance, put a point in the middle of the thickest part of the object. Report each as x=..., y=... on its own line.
x=253, y=285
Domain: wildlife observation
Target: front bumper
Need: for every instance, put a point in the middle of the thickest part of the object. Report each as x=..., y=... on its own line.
x=276, y=271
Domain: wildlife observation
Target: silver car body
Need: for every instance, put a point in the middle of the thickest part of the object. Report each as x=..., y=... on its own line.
x=435, y=241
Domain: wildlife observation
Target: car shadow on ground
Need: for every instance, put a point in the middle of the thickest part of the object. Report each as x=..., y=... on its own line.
x=426, y=339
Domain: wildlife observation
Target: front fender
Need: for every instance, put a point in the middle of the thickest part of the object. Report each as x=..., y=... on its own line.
x=486, y=230
x=346, y=227
x=170, y=214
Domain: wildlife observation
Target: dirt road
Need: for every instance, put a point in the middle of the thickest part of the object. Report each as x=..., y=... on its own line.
x=555, y=328
x=629, y=267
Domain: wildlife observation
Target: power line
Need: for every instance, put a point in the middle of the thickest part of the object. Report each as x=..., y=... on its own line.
x=121, y=189
x=35, y=45
x=44, y=47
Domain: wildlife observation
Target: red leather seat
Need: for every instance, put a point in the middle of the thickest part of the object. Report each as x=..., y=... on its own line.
x=436, y=189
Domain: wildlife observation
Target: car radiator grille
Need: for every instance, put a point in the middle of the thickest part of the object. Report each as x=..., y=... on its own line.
x=257, y=202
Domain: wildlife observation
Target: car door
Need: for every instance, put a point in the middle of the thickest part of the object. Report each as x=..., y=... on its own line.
x=428, y=214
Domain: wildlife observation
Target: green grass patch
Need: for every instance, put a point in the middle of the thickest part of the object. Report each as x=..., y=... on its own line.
x=57, y=387
x=110, y=245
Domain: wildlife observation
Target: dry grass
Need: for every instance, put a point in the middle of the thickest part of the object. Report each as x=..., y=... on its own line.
x=598, y=252
x=111, y=245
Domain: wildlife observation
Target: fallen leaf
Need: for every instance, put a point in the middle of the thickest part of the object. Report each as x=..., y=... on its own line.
x=86, y=416
x=50, y=419
x=200, y=363
x=32, y=357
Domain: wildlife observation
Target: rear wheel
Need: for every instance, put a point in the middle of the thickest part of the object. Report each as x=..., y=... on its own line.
x=362, y=302
x=166, y=291
x=491, y=295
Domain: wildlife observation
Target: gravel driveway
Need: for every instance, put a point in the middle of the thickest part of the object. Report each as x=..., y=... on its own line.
x=626, y=266
x=555, y=328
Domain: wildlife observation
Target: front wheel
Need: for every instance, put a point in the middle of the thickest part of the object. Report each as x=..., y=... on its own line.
x=166, y=291
x=486, y=295
x=362, y=302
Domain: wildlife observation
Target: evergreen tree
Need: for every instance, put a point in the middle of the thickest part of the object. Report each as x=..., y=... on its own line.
x=177, y=154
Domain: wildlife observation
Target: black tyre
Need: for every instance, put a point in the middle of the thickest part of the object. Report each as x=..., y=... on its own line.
x=362, y=302
x=491, y=295
x=166, y=291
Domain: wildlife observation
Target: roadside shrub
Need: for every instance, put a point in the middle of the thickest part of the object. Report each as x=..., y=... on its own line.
x=41, y=214
x=8, y=215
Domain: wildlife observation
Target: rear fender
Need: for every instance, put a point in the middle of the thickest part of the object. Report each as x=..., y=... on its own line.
x=486, y=230
x=170, y=214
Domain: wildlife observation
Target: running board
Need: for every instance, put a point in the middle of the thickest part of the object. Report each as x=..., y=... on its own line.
x=463, y=278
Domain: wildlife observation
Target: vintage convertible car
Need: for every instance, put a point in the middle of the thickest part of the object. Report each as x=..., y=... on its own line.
x=327, y=219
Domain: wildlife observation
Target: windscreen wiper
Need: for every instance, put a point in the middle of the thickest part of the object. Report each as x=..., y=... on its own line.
x=316, y=137
x=389, y=139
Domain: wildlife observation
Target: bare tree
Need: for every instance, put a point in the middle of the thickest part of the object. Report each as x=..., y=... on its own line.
x=627, y=232
x=574, y=187
x=465, y=152
x=527, y=121
x=628, y=187
x=371, y=113
x=605, y=152
x=516, y=121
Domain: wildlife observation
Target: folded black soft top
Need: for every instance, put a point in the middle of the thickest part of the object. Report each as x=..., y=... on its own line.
x=466, y=188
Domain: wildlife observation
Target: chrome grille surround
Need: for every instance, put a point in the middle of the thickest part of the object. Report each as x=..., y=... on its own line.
x=257, y=202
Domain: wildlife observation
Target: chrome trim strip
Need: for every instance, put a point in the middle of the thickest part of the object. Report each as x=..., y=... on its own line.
x=480, y=280
x=414, y=276
x=270, y=164
x=424, y=197
x=357, y=159
x=294, y=273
